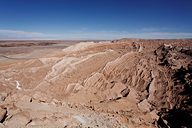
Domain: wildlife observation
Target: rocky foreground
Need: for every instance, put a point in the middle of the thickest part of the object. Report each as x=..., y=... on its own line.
x=119, y=84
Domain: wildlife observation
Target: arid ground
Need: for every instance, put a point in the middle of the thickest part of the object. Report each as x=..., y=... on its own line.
x=127, y=83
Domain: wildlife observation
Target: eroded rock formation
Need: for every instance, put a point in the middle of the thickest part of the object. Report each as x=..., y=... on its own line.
x=125, y=83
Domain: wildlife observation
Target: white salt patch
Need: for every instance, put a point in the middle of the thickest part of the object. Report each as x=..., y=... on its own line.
x=104, y=42
x=7, y=79
x=110, y=50
x=140, y=48
x=80, y=119
x=18, y=86
x=168, y=45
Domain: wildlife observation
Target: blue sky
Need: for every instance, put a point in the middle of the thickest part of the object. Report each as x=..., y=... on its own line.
x=95, y=19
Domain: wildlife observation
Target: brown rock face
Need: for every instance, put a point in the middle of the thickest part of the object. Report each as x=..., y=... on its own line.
x=125, y=83
x=2, y=114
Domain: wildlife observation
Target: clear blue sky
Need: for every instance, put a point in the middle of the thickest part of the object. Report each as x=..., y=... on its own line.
x=95, y=19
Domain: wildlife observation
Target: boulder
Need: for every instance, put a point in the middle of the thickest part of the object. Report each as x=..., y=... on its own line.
x=144, y=106
x=3, y=96
x=26, y=98
x=1, y=125
x=20, y=119
x=117, y=91
x=41, y=97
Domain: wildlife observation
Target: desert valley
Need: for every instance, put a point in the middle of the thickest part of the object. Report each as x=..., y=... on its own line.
x=126, y=83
